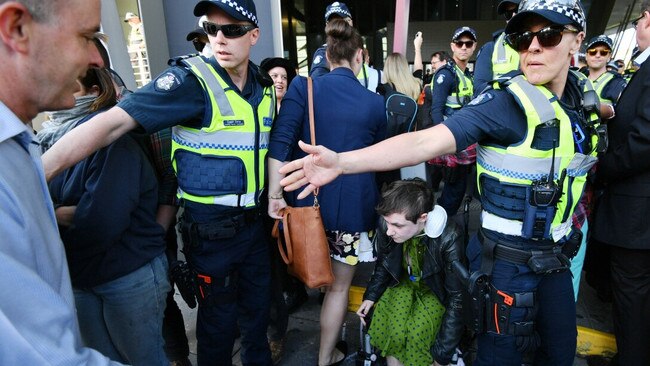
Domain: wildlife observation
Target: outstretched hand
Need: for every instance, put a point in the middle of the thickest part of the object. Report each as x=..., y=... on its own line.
x=318, y=168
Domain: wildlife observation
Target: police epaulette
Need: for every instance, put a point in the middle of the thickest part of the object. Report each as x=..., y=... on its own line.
x=177, y=61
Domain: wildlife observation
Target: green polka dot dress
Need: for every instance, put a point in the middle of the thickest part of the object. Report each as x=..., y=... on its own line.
x=408, y=316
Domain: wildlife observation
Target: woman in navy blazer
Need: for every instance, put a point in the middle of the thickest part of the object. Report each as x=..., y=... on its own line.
x=347, y=117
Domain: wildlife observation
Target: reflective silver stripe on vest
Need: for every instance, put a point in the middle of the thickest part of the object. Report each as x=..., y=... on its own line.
x=540, y=102
x=500, y=49
x=514, y=166
x=227, y=140
x=230, y=200
x=213, y=84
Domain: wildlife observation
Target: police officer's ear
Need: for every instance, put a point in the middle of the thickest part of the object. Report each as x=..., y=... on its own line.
x=575, y=46
x=254, y=36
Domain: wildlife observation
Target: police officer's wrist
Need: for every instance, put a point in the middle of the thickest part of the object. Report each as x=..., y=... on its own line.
x=613, y=111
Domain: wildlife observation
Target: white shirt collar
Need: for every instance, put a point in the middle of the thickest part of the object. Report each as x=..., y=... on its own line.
x=643, y=56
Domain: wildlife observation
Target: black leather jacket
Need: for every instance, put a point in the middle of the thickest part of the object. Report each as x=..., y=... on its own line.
x=437, y=273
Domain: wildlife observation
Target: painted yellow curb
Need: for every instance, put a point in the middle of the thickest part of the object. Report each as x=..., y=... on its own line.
x=593, y=342
x=356, y=298
x=590, y=341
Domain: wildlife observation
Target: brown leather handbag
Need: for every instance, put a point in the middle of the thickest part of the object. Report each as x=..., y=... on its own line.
x=307, y=253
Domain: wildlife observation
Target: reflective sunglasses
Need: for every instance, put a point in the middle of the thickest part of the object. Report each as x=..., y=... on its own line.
x=228, y=30
x=550, y=36
x=594, y=52
x=467, y=44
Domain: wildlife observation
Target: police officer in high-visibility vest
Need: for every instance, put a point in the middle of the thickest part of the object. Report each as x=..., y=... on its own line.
x=538, y=137
x=221, y=109
x=496, y=58
x=608, y=85
x=368, y=76
x=451, y=89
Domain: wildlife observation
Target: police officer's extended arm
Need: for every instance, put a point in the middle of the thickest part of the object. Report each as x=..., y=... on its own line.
x=89, y=137
x=323, y=165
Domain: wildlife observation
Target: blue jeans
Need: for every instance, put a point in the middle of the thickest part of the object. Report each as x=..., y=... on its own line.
x=555, y=321
x=244, y=302
x=123, y=318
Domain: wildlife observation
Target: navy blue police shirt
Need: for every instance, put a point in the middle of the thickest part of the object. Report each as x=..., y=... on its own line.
x=444, y=84
x=483, y=73
x=319, y=64
x=494, y=118
x=176, y=97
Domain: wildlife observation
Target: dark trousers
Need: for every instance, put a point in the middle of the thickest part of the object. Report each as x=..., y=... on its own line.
x=244, y=300
x=631, y=289
x=454, y=189
x=176, y=345
x=555, y=320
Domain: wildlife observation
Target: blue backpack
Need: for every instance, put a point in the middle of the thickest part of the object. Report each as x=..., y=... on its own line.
x=401, y=111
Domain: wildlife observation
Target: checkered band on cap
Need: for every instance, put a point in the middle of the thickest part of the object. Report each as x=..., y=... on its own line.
x=601, y=39
x=571, y=9
x=240, y=9
x=337, y=8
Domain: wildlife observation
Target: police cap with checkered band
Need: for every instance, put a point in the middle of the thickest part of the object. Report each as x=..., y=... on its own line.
x=601, y=39
x=239, y=9
x=561, y=12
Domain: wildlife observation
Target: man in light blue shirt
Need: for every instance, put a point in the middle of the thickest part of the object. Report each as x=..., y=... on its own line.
x=46, y=46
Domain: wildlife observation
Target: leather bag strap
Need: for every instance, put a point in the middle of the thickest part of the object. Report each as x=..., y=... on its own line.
x=287, y=256
x=312, y=127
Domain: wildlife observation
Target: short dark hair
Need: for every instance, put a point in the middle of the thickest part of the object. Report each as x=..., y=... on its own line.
x=645, y=5
x=343, y=41
x=442, y=55
x=412, y=197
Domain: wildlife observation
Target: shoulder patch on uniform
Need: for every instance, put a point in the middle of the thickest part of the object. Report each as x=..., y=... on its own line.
x=167, y=82
x=317, y=59
x=482, y=98
x=440, y=79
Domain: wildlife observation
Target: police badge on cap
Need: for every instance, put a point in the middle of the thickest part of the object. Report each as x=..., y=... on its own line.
x=337, y=8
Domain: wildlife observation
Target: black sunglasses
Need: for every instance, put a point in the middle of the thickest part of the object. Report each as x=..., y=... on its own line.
x=636, y=21
x=467, y=44
x=550, y=36
x=228, y=30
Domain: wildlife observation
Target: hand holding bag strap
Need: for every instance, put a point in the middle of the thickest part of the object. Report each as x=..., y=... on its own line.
x=275, y=232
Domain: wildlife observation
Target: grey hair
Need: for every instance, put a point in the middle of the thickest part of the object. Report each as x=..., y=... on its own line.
x=41, y=10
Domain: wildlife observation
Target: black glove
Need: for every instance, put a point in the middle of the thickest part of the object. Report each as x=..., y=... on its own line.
x=185, y=279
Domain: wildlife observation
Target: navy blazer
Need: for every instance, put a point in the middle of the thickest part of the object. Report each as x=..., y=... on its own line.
x=347, y=117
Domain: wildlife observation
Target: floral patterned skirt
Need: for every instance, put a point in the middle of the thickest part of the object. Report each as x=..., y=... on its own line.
x=351, y=248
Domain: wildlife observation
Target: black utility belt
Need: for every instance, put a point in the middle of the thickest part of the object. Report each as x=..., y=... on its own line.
x=224, y=227
x=543, y=260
